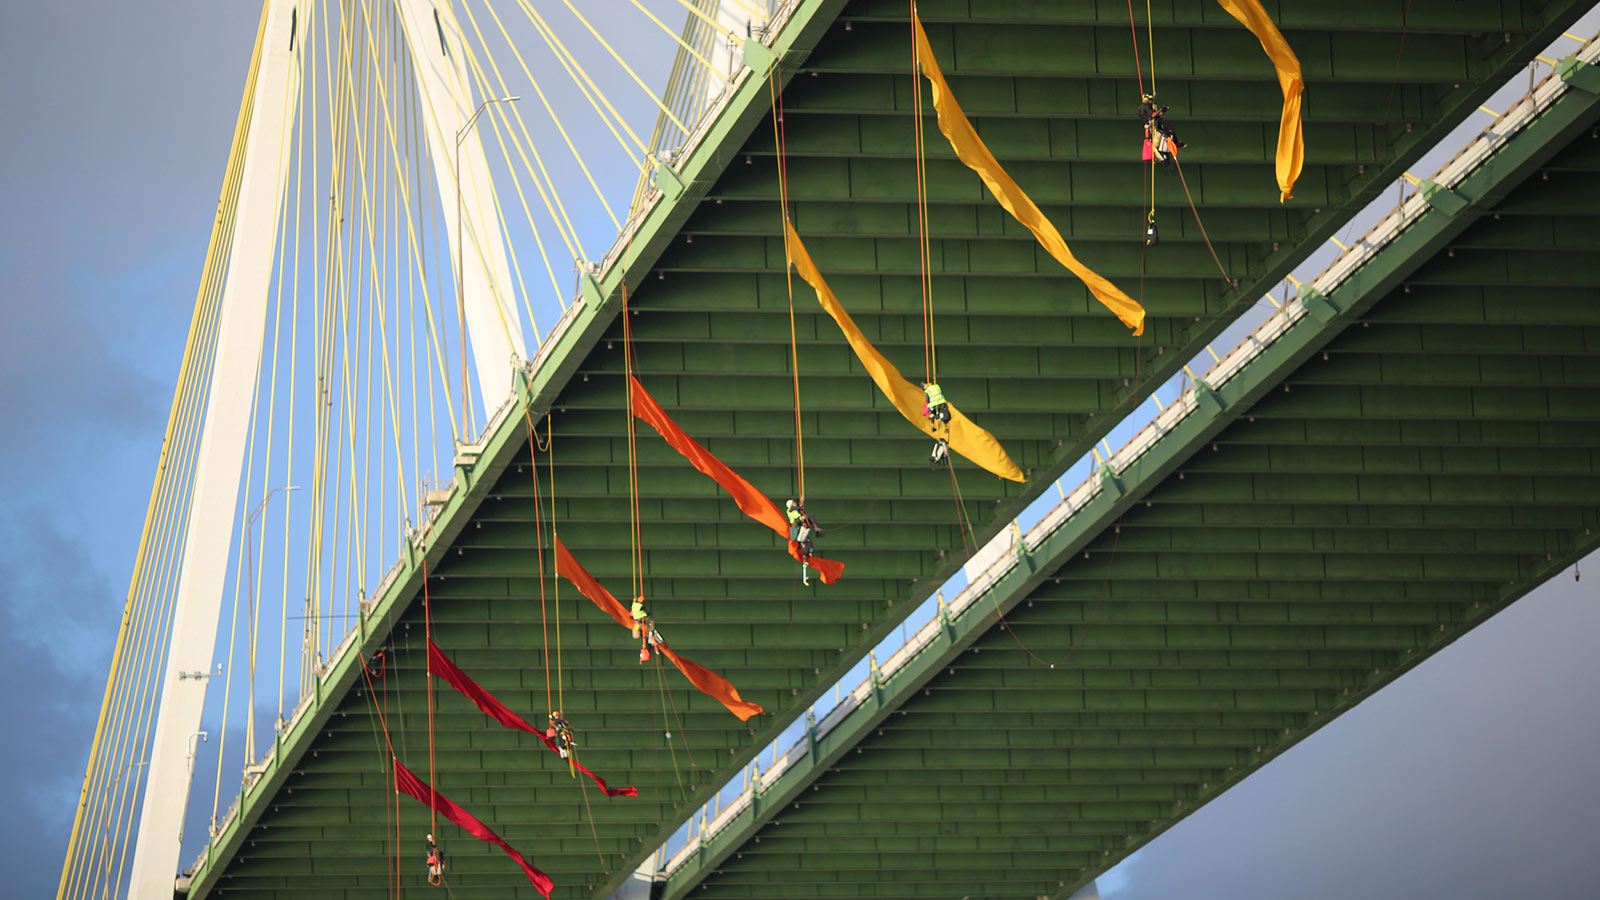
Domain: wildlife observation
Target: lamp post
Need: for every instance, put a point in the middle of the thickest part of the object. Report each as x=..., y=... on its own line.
x=250, y=593
x=461, y=255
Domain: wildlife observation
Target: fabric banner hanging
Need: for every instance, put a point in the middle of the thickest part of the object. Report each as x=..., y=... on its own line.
x=971, y=150
x=710, y=683
x=751, y=502
x=407, y=783
x=965, y=437
x=444, y=667
x=1291, y=156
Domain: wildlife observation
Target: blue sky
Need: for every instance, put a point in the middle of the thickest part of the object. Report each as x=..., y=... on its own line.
x=1472, y=776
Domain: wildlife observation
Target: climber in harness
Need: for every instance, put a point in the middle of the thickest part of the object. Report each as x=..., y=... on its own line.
x=1159, y=141
x=938, y=412
x=644, y=628
x=560, y=731
x=801, y=531
x=435, y=863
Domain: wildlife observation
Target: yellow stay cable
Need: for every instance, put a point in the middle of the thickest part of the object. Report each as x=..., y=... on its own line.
x=541, y=179
x=293, y=131
x=571, y=63
x=389, y=402
x=434, y=120
x=239, y=579
x=625, y=67
x=185, y=370
x=123, y=809
x=700, y=13
x=294, y=318
x=417, y=264
x=579, y=78
x=681, y=43
x=107, y=799
x=560, y=127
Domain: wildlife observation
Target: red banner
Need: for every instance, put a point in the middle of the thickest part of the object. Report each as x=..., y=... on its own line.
x=407, y=783
x=441, y=665
x=751, y=502
x=709, y=682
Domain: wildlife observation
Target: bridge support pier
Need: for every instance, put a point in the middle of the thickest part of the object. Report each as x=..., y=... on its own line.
x=274, y=97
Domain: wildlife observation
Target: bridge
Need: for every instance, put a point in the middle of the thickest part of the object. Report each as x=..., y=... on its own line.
x=1401, y=447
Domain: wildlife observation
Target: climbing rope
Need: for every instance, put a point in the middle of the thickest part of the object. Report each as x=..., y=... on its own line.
x=538, y=537
x=780, y=141
x=427, y=631
x=930, y=360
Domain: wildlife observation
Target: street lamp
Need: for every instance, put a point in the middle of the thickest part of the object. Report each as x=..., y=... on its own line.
x=461, y=255
x=250, y=593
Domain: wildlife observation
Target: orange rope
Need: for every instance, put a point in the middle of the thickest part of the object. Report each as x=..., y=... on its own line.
x=929, y=361
x=381, y=708
x=633, y=448
x=427, y=631
x=538, y=537
x=780, y=137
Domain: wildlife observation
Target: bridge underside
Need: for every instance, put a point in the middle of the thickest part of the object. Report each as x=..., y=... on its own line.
x=1432, y=460
x=1398, y=492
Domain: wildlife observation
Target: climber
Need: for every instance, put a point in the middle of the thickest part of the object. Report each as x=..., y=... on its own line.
x=1158, y=137
x=644, y=628
x=560, y=731
x=935, y=407
x=435, y=863
x=938, y=412
x=801, y=530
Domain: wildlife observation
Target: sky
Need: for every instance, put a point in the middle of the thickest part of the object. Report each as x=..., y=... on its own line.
x=1470, y=777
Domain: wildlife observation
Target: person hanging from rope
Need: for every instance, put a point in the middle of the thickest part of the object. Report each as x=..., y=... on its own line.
x=644, y=628
x=435, y=863
x=1159, y=139
x=560, y=731
x=801, y=531
x=937, y=409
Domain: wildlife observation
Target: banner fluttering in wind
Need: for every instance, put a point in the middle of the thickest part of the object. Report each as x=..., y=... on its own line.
x=710, y=683
x=444, y=667
x=965, y=437
x=971, y=150
x=407, y=783
x=751, y=502
x=1291, y=134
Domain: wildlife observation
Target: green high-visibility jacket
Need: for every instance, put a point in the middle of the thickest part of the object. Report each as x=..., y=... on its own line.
x=934, y=394
x=638, y=609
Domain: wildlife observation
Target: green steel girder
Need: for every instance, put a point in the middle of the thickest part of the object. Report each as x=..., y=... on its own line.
x=1150, y=553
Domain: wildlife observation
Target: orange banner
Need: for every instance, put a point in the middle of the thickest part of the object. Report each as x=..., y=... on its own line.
x=965, y=437
x=751, y=502
x=1291, y=134
x=971, y=150
x=710, y=683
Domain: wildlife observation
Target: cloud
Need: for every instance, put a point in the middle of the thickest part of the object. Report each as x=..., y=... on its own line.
x=60, y=618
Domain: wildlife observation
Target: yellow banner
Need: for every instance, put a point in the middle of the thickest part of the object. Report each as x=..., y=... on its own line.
x=1291, y=134
x=965, y=437
x=971, y=150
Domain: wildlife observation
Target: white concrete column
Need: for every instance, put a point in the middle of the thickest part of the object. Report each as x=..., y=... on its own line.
x=447, y=103
x=208, y=536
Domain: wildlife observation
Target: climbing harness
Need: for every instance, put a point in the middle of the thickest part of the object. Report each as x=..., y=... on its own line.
x=435, y=863
x=561, y=732
x=801, y=530
x=644, y=628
